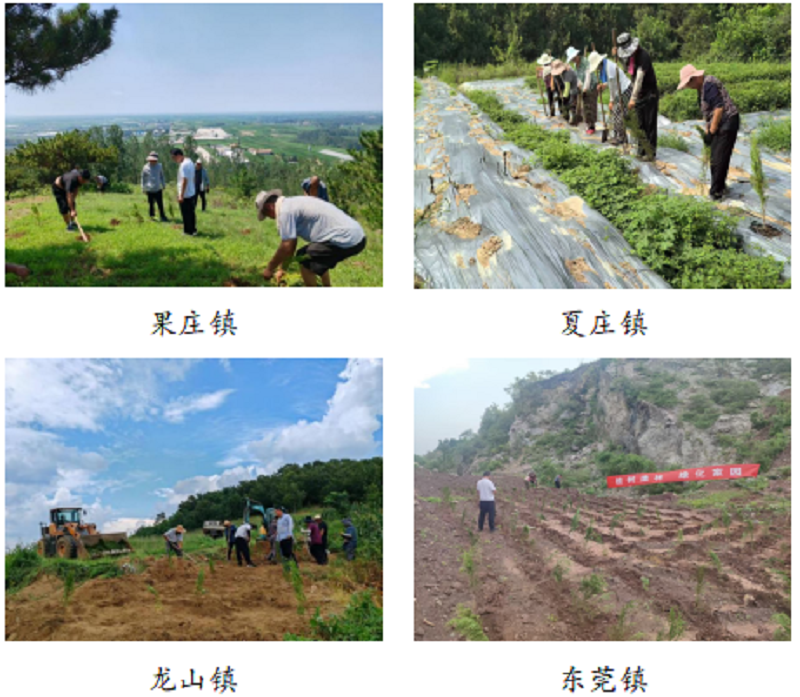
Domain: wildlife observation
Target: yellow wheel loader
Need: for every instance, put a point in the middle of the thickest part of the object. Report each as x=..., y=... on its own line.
x=68, y=537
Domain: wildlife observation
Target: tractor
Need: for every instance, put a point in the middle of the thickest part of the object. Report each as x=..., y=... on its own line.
x=68, y=537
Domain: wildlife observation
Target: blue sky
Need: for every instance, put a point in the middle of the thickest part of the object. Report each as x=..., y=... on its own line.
x=451, y=395
x=191, y=58
x=127, y=439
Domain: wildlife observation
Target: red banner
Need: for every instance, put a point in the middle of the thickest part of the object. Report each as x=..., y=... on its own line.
x=696, y=474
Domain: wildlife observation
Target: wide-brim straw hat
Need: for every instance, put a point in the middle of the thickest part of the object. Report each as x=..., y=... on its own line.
x=595, y=60
x=687, y=73
x=545, y=59
x=626, y=46
x=262, y=199
x=180, y=529
x=572, y=52
x=152, y=157
x=557, y=67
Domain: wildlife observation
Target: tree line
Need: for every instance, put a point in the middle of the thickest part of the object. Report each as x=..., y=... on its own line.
x=485, y=33
x=336, y=484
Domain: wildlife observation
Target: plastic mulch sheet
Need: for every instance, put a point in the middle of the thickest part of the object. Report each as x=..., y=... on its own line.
x=485, y=219
x=682, y=172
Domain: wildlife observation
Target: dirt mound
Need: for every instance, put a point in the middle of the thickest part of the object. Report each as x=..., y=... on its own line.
x=114, y=222
x=163, y=603
x=567, y=566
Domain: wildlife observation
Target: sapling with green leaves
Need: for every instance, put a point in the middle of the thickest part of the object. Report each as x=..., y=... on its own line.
x=757, y=178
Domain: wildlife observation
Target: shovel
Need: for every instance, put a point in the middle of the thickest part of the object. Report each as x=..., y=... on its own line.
x=80, y=229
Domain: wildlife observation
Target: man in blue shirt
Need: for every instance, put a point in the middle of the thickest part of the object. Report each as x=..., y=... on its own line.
x=230, y=536
x=350, y=537
x=314, y=186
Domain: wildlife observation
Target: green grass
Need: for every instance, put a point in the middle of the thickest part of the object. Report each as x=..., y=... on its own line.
x=232, y=245
x=362, y=620
x=417, y=90
x=715, y=499
x=775, y=134
x=468, y=624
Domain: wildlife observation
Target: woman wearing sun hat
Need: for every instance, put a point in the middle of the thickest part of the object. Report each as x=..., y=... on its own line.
x=546, y=61
x=644, y=96
x=591, y=89
x=564, y=74
x=722, y=122
x=619, y=89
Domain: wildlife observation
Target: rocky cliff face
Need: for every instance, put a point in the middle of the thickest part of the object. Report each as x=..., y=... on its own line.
x=684, y=413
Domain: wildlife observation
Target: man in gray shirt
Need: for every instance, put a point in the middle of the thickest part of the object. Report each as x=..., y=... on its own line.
x=332, y=235
x=174, y=540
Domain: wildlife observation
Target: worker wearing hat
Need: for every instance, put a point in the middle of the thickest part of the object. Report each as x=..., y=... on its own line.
x=644, y=96
x=315, y=547
x=323, y=528
x=174, y=540
x=153, y=184
x=546, y=62
x=332, y=235
x=230, y=536
x=564, y=75
x=722, y=123
x=350, y=537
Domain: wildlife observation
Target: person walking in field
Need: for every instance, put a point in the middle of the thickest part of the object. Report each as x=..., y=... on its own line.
x=174, y=540
x=350, y=538
x=315, y=541
x=619, y=94
x=202, y=184
x=65, y=189
x=286, y=535
x=564, y=76
x=722, y=123
x=332, y=235
x=153, y=184
x=323, y=528
x=186, y=191
x=242, y=539
x=230, y=536
x=314, y=186
x=644, y=96
x=486, y=489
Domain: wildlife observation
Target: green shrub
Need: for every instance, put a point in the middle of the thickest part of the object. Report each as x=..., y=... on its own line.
x=592, y=585
x=775, y=134
x=700, y=412
x=677, y=626
x=757, y=179
x=754, y=95
x=784, y=631
x=362, y=620
x=468, y=624
x=670, y=140
x=733, y=395
x=668, y=74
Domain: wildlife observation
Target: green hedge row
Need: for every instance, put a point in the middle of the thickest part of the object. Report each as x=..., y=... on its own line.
x=668, y=74
x=687, y=241
x=756, y=95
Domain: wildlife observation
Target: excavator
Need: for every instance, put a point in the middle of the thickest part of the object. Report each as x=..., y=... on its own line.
x=251, y=506
x=66, y=536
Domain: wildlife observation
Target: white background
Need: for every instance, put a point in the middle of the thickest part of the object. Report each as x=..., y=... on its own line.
x=405, y=328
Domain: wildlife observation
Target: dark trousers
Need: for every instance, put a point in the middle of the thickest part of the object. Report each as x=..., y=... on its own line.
x=486, y=507
x=188, y=214
x=231, y=545
x=153, y=198
x=200, y=195
x=318, y=552
x=287, y=551
x=722, y=143
x=242, y=550
x=647, y=116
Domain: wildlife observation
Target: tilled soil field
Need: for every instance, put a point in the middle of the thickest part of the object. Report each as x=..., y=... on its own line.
x=238, y=604
x=567, y=566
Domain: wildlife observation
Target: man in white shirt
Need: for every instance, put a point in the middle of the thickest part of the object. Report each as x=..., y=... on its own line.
x=174, y=540
x=242, y=540
x=286, y=535
x=186, y=190
x=486, y=489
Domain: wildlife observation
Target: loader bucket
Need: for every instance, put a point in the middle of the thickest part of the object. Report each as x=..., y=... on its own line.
x=96, y=546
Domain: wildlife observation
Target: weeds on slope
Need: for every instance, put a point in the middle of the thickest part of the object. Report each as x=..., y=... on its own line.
x=687, y=241
x=362, y=620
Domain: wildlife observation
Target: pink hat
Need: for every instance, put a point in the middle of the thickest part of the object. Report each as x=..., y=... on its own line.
x=557, y=67
x=687, y=73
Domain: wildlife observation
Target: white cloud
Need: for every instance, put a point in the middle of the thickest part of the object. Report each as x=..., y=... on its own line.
x=345, y=431
x=33, y=455
x=128, y=525
x=433, y=367
x=177, y=409
x=226, y=364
